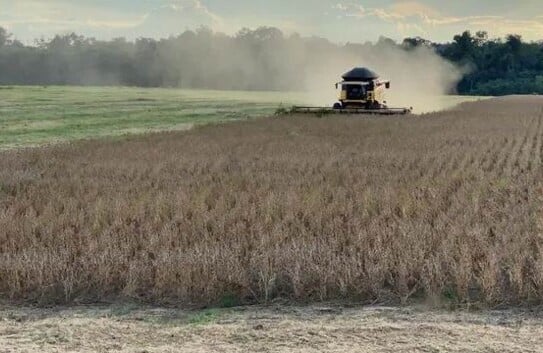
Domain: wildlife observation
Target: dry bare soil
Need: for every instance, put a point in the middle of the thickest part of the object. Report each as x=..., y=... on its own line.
x=276, y=328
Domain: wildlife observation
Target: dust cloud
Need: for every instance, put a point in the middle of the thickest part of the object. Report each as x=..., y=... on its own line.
x=264, y=59
x=419, y=77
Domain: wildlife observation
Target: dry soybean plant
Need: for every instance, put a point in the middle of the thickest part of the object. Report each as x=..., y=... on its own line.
x=444, y=206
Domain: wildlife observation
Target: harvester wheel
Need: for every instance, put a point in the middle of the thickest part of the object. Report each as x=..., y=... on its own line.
x=338, y=106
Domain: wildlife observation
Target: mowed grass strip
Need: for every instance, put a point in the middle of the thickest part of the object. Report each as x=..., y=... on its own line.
x=446, y=206
x=31, y=116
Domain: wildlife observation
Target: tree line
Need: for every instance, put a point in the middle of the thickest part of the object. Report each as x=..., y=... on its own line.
x=496, y=66
x=260, y=59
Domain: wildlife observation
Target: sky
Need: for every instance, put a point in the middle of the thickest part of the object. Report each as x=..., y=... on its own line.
x=337, y=20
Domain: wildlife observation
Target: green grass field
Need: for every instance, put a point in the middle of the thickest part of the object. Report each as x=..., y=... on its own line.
x=31, y=116
x=34, y=116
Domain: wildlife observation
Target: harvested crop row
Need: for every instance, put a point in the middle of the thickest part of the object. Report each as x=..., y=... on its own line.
x=442, y=206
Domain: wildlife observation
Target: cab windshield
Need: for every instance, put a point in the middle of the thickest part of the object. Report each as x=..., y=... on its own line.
x=355, y=92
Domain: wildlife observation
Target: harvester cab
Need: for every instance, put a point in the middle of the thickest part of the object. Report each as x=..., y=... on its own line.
x=362, y=88
x=360, y=92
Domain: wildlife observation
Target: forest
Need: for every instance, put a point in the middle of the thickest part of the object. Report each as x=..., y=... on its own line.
x=260, y=59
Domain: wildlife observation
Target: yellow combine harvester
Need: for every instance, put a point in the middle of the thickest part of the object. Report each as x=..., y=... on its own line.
x=361, y=92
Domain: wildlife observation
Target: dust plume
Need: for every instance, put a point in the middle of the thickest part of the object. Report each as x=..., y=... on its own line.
x=419, y=77
x=264, y=59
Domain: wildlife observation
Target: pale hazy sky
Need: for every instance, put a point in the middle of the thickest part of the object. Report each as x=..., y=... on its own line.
x=337, y=20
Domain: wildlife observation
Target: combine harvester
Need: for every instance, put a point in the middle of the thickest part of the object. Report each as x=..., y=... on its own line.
x=362, y=92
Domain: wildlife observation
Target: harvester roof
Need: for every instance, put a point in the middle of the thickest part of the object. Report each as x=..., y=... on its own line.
x=360, y=74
